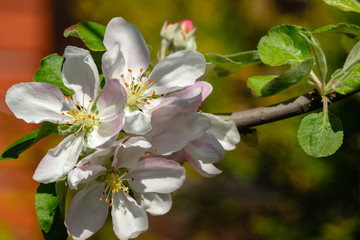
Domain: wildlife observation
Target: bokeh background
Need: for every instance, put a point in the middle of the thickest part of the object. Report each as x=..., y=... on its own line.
x=273, y=191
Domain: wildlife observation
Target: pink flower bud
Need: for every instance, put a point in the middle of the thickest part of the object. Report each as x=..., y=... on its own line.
x=187, y=25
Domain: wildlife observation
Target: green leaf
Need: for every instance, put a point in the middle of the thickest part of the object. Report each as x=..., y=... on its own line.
x=270, y=85
x=353, y=57
x=48, y=213
x=50, y=71
x=61, y=191
x=222, y=65
x=227, y=64
x=284, y=44
x=319, y=55
x=256, y=83
x=13, y=151
x=320, y=135
x=344, y=28
x=345, y=5
x=46, y=203
x=349, y=82
x=92, y=34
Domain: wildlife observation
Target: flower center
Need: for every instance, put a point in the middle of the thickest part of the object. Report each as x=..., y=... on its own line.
x=82, y=118
x=115, y=182
x=137, y=96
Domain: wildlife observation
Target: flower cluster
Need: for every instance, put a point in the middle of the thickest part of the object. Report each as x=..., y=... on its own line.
x=126, y=142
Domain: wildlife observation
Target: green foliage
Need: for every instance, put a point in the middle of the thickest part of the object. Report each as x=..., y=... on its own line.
x=344, y=28
x=13, y=151
x=50, y=72
x=265, y=86
x=48, y=213
x=284, y=44
x=320, y=134
x=349, y=82
x=224, y=65
x=92, y=34
x=347, y=79
x=345, y=5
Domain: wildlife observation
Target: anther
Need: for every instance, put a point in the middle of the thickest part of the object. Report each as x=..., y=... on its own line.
x=148, y=72
x=148, y=103
x=148, y=154
x=63, y=114
x=111, y=204
x=133, y=78
x=200, y=111
x=90, y=100
x=107, y=201
x=67, y=123
x=100, y=198
x=122, y=75
x=75, y=133
x=89, y=115
x=132, y=92
x=129, y=70
x=127, y=171
x=82, y=130
x=132, y=179
x=153, y=81
x=83, y=91
x=156, y=149
x=141, y=69
x=149, y=80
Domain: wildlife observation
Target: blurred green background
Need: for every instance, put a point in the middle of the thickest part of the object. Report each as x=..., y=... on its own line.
x=273, y=191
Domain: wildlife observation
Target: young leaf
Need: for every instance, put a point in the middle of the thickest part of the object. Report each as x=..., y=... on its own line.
x=344, y=28
x=13, y=151
x=271, y=85
x=61, y=191
x=345, y=5
x=284, y=44
x=320, y=134
x=50, y=72
x=50, y=219
x=245, y=58
x=349, y=82
x=222, y=65
x=319, y=55
x=92, y=34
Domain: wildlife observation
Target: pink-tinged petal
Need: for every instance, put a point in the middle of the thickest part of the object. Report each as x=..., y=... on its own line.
x=60, y=160
x=172, y=136
x=155, y=203
x=157, y=175
x=35, y=102
x=175, y=103
x=205, y=169
x=112, y=100
x=129, y=219
x=206, y=148
x=177, y=71
x=80, y=74
x=224, y=131
x=128, y=154
x=84, y=174
x=104, y=135
x=86, y=213
x=137, y=122
x=132, y=45
x=113, y=62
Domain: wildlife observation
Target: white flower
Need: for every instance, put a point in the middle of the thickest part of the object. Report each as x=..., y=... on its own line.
x=112, y=184
x=36, y=102
x=127, y=59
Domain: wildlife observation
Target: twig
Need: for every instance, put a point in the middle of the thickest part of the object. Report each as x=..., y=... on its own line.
x=290, y=108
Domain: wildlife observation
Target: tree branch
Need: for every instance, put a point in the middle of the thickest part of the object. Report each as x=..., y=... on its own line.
x=290, y=108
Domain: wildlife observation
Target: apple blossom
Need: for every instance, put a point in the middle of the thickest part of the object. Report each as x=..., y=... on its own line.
x=77, y=117
x=127, y=59
x=114, y=183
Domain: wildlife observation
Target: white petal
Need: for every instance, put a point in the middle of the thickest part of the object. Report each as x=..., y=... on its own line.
x=98, y=157
x=172, y=135
x=206, y=148
x=59, y=160
x=156, y=203
x=137, y=122
x=104, y=135
x=224, y=131
x=36, y=102
x=111, y=100
x=205, y=169
x=129, y=219
x=128, y=154
x=132, y=44
x=157, y=175
x=113, y=62
x=86, y=213
x=177, y=71
x=80, y=74
x=84, y=174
